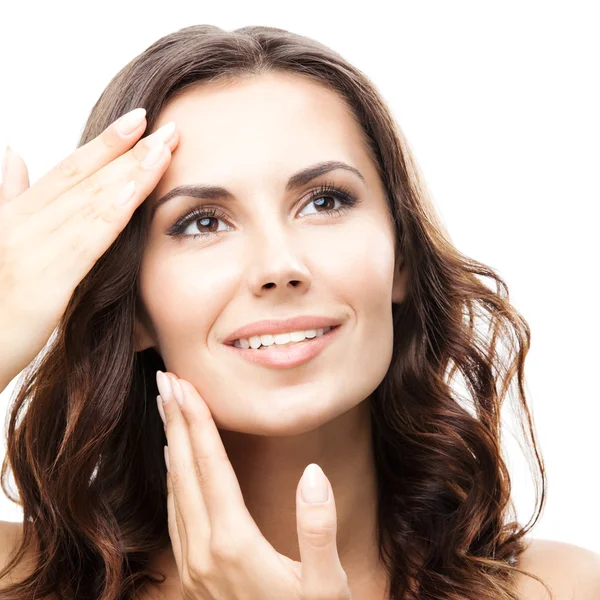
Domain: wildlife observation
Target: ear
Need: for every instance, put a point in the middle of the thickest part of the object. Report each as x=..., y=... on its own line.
x=400, y=284
x=143, y=332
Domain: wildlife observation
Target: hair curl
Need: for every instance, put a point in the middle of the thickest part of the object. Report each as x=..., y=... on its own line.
x=85, y=450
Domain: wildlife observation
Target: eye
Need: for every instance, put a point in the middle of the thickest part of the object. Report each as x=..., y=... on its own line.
x=324, y=197
x=326, y=202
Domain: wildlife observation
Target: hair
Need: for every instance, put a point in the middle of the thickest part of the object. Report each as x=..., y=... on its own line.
x=85, y=442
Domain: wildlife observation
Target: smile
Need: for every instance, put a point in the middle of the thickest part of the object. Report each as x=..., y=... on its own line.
x=287, y=355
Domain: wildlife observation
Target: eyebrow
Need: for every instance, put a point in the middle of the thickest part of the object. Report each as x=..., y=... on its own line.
x=213, y=192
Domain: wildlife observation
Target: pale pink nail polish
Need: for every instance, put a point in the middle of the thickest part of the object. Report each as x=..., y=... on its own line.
x=178, y=391
x=164, y=386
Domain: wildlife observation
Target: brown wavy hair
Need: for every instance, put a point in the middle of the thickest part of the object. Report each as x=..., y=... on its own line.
x=85, y=441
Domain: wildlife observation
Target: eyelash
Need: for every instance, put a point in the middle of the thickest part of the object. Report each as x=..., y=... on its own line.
x=340, y=192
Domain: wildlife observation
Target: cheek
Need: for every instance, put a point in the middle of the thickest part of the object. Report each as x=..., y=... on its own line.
x=183, y=294
x=362, y=264
x=368, y=272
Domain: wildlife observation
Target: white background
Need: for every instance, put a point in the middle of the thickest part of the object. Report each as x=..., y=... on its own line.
x=500, y=104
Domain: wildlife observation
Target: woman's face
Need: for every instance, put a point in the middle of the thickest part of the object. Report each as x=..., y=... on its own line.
x=269, y=253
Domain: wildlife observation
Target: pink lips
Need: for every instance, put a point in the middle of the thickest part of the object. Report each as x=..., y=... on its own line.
x=287, y=355
x=272, y=326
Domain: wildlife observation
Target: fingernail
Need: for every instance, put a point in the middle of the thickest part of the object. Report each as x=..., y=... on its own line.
x=164, y=386
x=5, y=161
x=178, y=391
x=161, y=412
x=130, y=121
x=165, y=132
x=314, y=485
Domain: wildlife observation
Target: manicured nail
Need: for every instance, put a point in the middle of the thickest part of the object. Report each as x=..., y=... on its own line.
x=130, y=121
x=164, y=386
x=163, y=133
x=177, y=390
x=161, y=412
x=314, y=486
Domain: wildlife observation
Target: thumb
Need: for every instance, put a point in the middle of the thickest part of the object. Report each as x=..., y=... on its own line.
x=322, y=573
x=15, y=177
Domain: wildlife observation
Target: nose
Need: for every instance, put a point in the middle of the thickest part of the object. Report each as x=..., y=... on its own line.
x=277, y=266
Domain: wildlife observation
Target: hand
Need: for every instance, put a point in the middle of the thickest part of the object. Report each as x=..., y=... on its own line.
x=219, y=550
x=52, y=233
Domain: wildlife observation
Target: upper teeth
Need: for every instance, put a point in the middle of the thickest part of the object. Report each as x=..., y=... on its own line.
x=279, y=338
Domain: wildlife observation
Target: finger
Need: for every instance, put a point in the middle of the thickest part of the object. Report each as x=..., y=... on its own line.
x=175, y=525
x=93, y=199
x=175, y=521
x=87, y=219
x=322, y=573
x=221, y=490
x=15, y=176
x=85, y=161
x=194, y=523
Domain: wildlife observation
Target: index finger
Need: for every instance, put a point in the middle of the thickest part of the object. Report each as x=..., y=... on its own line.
x=220, y=487
x=115, y=140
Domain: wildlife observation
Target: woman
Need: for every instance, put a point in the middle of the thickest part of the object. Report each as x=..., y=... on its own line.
x=283, y=200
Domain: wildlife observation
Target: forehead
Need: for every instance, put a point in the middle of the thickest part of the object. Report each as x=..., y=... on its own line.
x=261, y=126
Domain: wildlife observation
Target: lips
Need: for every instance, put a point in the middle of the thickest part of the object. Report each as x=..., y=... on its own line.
x=273, y=327
x=283, y=356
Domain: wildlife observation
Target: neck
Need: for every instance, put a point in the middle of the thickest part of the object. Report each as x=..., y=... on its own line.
x=269, y=469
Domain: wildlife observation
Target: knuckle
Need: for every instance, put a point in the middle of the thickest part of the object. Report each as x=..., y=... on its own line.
x=322, y=523
x=92, y=208
x=202, y=463
x=75, y=246
x=319, y=535
x=198, y=571
x=69, y=167
x=111, y=138
x=88, y=211
x=170, y=418
x=80, y=248
x=90, y=186
x=200, y=470
x=224, y=552
x=109, y=215
x=141, y=149
x=176, y=478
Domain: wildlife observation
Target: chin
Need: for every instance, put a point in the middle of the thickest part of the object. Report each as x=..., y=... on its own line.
x=282, y=417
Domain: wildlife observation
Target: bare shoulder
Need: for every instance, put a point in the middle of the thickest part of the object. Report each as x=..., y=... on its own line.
x=10, y=539
x=570, y=571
